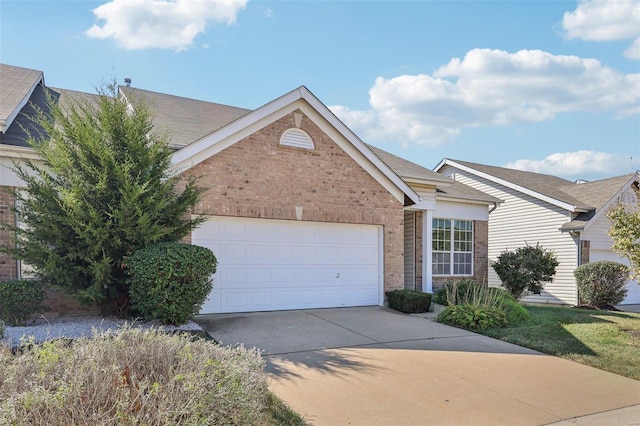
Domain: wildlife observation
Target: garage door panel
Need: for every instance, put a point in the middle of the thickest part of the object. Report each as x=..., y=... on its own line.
x=268, y=264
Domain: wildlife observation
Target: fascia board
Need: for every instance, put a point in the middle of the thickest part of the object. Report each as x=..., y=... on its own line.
x=469, y=200
x=441, y=183
x=609, y=203
x=18, y=152
x=513, y=186
x=357, y=155
x=200, y=150
x=357, y=143
x=23, y=102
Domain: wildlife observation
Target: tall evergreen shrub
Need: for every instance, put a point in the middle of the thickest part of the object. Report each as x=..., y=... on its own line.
x=101, y=190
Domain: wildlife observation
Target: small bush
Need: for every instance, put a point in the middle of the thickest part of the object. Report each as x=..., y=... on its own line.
x=133, y=377
x=2, y=328
x=601, y=284
x=20, y=300
x=170, y=281
x=409, y=301
x=525, y=270
x=473, y=317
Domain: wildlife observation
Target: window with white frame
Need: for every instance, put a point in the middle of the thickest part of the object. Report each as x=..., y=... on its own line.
x=452, y=247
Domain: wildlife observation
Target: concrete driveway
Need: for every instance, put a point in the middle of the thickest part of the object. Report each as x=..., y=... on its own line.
x=375, y=366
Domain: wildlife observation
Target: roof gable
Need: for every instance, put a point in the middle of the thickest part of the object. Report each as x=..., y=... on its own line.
x=540, y=186
x=589, y=200
x=302, y=99
x=16, y=86
x=447, y=188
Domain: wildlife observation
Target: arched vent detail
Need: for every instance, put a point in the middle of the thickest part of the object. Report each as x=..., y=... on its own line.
x=629, y=199
x=296, y=138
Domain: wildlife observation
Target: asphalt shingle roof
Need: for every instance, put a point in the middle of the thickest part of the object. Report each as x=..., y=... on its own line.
x=407, y=170
x=18, y=132
x=590, y=196
x=186, y=120
x=548, y=185
x=15, y=85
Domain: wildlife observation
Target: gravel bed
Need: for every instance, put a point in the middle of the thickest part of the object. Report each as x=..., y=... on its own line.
x=75, y=327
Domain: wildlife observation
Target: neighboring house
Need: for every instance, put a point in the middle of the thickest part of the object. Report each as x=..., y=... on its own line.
x=566, y=217
x=300, y=212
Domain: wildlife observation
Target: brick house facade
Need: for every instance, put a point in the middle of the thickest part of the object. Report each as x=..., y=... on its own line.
x=337, y=184
x=259, y=178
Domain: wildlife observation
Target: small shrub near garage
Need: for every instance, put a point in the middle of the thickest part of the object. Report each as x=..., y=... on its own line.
x=20, y=300
x=134, y=377
x=170, y=281
x=601, y=284
x=409, y=301
x=2, y=328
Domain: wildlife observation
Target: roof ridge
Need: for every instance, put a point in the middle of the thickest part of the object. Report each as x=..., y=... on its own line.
x=180, y=97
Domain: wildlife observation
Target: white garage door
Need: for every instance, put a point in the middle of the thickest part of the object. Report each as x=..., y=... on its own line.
x=266, y=265
x=633, y=296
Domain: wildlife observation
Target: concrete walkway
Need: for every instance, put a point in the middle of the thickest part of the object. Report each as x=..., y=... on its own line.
x=374, y=366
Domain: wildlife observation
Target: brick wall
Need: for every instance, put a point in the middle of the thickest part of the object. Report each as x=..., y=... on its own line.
x=258, y=178
x=8, y=265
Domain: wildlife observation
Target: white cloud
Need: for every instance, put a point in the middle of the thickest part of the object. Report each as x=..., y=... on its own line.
x=599, y=20
x=579, y=163
x=489, y=88
x=172, y=24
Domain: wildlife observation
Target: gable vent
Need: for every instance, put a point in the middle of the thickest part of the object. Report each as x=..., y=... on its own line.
x=296, y=138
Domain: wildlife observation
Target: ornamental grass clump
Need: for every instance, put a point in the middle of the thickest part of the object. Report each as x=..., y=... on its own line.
x=477, y=307
x=134, y=377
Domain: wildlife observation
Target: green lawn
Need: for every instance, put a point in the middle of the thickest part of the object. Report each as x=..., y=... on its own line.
x=602, y=339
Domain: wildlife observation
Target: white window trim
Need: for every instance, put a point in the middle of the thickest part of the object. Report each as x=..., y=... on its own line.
x=452, y=252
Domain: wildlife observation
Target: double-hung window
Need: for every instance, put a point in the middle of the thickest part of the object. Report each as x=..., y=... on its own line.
x=452, y=247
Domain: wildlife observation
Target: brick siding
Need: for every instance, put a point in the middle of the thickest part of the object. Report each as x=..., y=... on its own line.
x=258, y=178
x=8, y=265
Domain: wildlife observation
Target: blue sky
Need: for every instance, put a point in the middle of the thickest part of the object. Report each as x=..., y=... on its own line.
x=546, y=86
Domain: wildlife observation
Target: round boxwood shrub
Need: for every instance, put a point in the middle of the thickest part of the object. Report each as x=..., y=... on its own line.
x=20, y=300
x=170, y=281
x=601, y=284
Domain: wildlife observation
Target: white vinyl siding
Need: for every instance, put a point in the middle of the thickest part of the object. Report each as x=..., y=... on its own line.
x=521, y=220
x=597, y=234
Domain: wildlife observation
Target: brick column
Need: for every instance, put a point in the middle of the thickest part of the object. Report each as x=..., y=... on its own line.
x=8, y=265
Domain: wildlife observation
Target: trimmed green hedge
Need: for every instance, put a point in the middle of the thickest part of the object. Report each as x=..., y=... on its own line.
x=170, y=281
x=20, y=300
x=409, y=301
